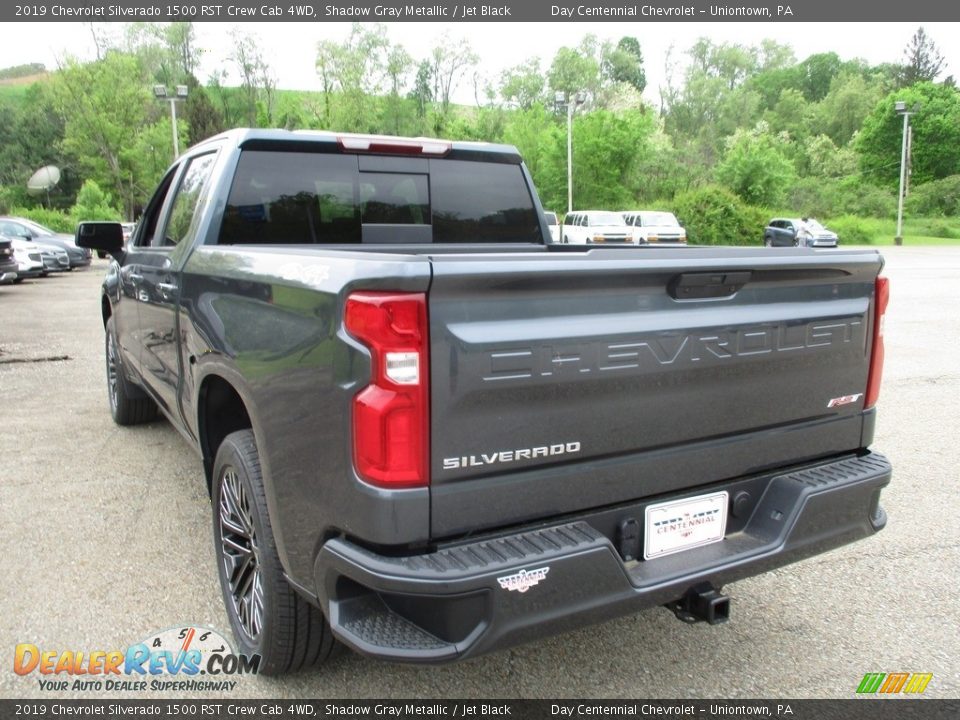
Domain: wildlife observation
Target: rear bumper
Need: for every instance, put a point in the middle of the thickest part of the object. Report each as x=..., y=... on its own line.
x=454, y=603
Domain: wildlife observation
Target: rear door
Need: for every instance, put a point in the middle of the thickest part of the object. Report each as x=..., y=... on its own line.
x=159, y=281
x=126, y=312
x=568, y=381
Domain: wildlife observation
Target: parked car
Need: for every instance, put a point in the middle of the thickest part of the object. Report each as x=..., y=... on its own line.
x=654, y=226
x=595, y=226
x=128, y=228
x=798, y=232
x=29, y=230
x=427, y=451
x=553, y=225
x=29, y=259
x=8, y=263
x=55, y=259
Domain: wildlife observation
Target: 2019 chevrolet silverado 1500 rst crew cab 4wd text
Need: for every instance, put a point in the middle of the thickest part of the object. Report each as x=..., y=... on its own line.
x=430, y=433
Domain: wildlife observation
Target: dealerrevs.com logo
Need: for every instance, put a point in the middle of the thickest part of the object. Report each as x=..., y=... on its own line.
x=177, y=659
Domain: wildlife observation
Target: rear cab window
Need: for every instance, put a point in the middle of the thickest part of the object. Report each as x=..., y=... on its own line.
x=297, y=197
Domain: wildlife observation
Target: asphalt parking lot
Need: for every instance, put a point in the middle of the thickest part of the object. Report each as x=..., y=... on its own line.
x=106, y=537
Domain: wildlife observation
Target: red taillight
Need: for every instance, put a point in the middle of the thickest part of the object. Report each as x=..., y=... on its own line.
x=391, y=417
x=881, y=297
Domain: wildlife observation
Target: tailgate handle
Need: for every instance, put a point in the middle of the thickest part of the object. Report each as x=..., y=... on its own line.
x=703, y=285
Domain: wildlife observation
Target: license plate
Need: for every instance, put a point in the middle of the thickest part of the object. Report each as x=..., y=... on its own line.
x=684, y=524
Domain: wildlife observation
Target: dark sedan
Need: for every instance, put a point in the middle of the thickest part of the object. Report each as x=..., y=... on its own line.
x=34, y=232
x=8, y=264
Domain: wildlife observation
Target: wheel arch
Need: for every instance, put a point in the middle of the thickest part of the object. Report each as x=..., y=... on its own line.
x=221, y=410
x=106, y=309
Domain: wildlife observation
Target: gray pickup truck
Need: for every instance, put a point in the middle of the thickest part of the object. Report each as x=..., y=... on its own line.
x=429, y=433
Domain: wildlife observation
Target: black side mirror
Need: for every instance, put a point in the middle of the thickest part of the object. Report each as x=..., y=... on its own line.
x=104, y=236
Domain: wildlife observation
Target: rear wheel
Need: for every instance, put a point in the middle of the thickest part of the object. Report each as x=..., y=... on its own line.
x=129, y=405
x=267, y=616
x=768, y=242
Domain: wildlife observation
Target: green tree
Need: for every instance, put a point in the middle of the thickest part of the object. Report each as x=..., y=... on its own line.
x=923, y=61
x=816, y=73
x=936, y=135
x=715, y=216
x=841, y=113
x=422, y=92
x=523, y=84
x=624, y=64
x=31, y=133
x=398, y=65
x=573, y=71
x=104, y=106
x=257, y=82
x=181, y=41
x=356, y=70
x=606, y=149
x=825, y=160
x=535, y=133
x=791, y=114
x=756, y=165
x=203, y=118
x=94, y=204
x=450, y=61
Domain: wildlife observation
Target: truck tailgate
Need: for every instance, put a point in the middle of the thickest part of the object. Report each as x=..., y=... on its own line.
x=567, y=381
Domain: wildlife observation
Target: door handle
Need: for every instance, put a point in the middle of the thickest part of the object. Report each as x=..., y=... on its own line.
x=134, y=277
x=167, y=289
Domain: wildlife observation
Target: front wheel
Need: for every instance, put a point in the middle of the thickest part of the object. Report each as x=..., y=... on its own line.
x=129, y=405
x=768, y=242
x=267, y=616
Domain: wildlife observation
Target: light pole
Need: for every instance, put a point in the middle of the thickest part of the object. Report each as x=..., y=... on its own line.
x=160, y=92
x=901, y=107
x=559, y=100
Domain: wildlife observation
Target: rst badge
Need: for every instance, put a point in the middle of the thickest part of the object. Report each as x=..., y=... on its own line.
x=844, y=400
x=523, y=580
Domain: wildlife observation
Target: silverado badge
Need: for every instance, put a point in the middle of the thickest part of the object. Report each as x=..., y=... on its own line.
x=523, y=580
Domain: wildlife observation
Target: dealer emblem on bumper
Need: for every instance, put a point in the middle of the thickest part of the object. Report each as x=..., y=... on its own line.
x=523, y=580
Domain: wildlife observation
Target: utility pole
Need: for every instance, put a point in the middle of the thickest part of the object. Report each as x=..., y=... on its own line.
x=901, y=108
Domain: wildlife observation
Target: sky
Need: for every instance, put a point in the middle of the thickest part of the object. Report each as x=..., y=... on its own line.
x=290, y=48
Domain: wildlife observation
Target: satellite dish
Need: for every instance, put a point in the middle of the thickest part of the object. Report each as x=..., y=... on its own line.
x=43, y=181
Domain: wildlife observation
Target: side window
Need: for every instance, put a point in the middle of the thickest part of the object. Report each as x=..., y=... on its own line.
x=292, y=198
x=183, y=215
x=147, y=226
x=13, y=229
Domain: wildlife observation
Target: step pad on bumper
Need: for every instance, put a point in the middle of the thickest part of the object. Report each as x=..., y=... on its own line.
x=372, y=622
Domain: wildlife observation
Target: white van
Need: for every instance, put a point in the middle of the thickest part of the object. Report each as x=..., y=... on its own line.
x=654, y=226
x=553, y=224
x=594, y=226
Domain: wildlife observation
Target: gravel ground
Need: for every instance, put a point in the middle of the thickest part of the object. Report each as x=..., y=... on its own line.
x=106, y=537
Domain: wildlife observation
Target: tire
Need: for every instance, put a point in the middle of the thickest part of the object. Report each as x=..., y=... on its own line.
x=768, y=242
x=274, y=622
x=129, y=405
